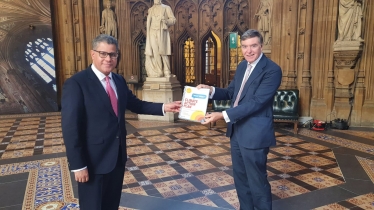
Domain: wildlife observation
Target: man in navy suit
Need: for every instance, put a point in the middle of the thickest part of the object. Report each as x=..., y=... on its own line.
x=93, y=126
x=250, y=120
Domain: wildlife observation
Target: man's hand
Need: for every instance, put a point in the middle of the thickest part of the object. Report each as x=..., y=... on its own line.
x=81, y=176
x=205, y=86
x=212, y=117
x=173, y=106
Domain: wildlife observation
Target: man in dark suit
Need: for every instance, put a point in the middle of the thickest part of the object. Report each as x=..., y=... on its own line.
x=93, y=126
x=250, y=120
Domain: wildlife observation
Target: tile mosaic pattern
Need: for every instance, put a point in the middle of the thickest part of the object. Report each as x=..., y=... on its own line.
x=12, y=116
x=30, y=136
x=362, y=202
x=196, y=165
x=363, y=134
x=187, y=163
x=284, y=188
x=174, y=188
x=337, y=140
x=148, y=124
x=202, y=201
x=48, y=186
x=368, y=166
x=231, y=198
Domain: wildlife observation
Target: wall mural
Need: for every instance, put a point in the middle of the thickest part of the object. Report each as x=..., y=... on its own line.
x=27, y=65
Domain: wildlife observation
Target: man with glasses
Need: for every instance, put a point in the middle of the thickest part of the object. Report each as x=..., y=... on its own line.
x=93, y=126
x=250, y=121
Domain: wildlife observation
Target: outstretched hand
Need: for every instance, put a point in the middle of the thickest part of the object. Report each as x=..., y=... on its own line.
x=205, y=86
x=173, y=106
x=212, y=117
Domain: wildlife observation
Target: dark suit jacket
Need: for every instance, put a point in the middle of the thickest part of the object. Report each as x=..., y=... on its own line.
x=252, y=119
x=89, y=125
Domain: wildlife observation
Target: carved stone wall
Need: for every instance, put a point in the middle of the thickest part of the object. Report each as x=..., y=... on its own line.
x=195, y=19
x=303, y=33
x=364, y=94
x=322, y=60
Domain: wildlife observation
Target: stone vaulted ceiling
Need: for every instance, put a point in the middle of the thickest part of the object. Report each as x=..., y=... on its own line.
x=16, y=16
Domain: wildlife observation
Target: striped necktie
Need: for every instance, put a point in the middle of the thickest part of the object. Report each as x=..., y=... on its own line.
x=246, y=76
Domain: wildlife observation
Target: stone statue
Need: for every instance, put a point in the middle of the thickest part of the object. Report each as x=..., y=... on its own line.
x=350, y=20
x=263, y=16
x=108, y=21
x=158, y=46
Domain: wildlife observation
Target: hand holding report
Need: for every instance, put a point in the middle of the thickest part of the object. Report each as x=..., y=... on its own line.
x=194, y=104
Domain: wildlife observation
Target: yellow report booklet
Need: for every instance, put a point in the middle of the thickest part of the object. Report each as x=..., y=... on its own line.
x=194, y=104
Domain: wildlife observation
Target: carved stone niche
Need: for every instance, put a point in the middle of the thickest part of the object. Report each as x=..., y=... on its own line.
x=346, y=55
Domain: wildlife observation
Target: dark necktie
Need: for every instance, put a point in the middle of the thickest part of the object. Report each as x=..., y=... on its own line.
x=112, y=95
x=246, y=76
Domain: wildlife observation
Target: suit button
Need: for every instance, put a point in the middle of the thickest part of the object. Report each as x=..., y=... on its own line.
x=117, y=137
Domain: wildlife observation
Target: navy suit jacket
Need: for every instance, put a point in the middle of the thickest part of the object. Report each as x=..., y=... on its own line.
x=92, y=133
x=251, y=122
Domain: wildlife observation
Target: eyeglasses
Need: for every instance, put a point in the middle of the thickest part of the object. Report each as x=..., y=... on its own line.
x=103, y=54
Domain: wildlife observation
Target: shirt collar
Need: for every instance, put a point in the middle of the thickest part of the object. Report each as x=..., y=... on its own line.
x=254, y=63
x=99, y=74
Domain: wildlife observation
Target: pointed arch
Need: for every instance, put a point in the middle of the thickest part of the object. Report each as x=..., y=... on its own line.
x=235, y=56
x=234, y=15
x=138, y=45
x=186, y=55
x=138, y=19
x=210, y=74
x=186, y=12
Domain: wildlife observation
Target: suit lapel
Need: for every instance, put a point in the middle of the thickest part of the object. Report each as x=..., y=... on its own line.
x=239, y=82
x=99, y=89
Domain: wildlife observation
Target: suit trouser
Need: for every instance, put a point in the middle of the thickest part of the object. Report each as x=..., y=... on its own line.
x=102, y=191
x=250, y=177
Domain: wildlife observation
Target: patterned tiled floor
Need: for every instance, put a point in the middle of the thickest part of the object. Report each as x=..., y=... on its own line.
x=368, y=166
x=359, y=202
x=365, y=134
x=49, y=184
x=188, y=163
x=367, y=148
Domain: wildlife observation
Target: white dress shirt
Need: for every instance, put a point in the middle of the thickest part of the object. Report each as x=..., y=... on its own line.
x=253, y=64
x=101, y=77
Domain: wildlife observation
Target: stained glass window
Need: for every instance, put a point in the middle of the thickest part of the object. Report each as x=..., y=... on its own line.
x=189, y=57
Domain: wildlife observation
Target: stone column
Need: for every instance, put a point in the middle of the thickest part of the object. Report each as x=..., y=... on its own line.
x=303, y=61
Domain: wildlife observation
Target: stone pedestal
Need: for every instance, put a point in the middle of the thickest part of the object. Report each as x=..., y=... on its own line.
x=346, y=56
x=162, y=90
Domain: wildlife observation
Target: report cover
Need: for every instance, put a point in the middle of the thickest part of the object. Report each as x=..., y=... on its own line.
x=194, y=104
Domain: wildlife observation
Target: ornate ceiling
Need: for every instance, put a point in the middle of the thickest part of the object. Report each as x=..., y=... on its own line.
x=16, y=17
x=22, y=24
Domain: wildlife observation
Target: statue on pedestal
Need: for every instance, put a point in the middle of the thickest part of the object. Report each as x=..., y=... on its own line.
x=263, y=16
x=108, y=21
x=350, y=20
x=158, y=45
